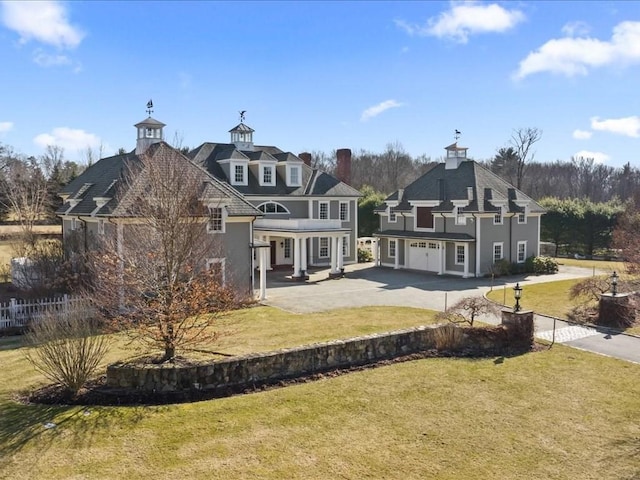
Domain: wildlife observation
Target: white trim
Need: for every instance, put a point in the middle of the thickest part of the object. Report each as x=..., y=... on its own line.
x=320, y=247
x=232, y=172
x=340, y=204
x=501, y=222
x=460, y=218
x=524, y=257
x=416, y=228
x=223, y=267
x=263, y=170
x=290, y=182
x=524, y=216
x=223, y=218
x=493, y=253
x=393, y=241
x=74, y=224
x=101, y=226
x=455, y=254
x=277, y=204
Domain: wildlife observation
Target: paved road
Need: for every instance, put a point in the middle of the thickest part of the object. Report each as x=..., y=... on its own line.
x=365, y=285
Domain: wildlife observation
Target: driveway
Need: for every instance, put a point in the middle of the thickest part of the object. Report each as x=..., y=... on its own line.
x=366, y=285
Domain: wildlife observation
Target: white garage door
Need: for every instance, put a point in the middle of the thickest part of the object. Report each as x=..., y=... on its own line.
x=424, y=256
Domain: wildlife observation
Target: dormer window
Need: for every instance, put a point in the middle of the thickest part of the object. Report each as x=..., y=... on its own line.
x=393, y=217
x=294, y=176
x=238, y=173
x=460, y=218
x=267, y=175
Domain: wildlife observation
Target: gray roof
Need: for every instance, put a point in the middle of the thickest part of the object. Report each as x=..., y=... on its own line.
x=241, y=127
x=151, y=122
x=107, y=179
x=455, y=237
x=447, y=185
x=314, y=182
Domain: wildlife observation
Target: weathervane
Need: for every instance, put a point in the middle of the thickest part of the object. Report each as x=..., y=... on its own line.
x=242, y=112
x=150, y=107
x=457, y=134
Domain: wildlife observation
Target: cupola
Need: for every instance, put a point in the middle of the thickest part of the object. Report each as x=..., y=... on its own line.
x=242, y=135
x=455, y=156
x=149, y=131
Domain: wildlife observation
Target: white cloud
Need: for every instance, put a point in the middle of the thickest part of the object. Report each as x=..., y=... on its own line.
x=5, y=127
x=376, y=110
x=576, y=56
x=582, y=134
x=627, y=126
x=48, y=60
x=70, y=139
x=45, y=22
x=464, y=19
x=577, y=28
x=598, y=157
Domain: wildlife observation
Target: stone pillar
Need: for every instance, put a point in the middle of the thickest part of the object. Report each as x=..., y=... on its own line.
x=519, y=327
x=615, y=311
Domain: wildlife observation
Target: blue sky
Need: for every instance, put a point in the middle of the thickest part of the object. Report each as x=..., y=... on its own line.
x=325, y=75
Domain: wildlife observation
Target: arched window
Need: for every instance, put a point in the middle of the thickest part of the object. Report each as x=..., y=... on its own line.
x=272, y=207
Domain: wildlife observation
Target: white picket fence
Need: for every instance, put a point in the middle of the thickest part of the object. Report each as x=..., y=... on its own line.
x=18, y=313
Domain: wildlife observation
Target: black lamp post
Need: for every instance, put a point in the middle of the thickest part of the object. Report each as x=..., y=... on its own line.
x=614, y=284
x=517, y=293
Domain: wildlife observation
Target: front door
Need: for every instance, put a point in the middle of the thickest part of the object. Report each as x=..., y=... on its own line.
x=273, y=252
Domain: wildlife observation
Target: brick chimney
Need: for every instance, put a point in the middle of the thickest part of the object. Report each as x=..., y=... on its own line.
x=343, y=166
x=306, y=158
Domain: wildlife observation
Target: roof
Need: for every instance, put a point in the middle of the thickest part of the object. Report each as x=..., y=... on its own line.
x=107, y=179
x=314, y=182
x=489, y=191
x=454, y=237
x=241, y=127
x=150, y=122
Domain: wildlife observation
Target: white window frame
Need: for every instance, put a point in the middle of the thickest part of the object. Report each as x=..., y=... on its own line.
x=291, y=181
x=74, y=224
x=501, y=246
x=498, y=219
x=232, y=173
x=522, y=218
x=271, y=169
x=101, y=226
x=393, y=216
x=345, y=217
x=456, y=253
x=345, y=246
x=223, y=217
x=328, y=213
x=524, y=251
x=459, y=216
x=286, y=248
x=322, y=247
x=263, y=208
x=392, y=248
x=223, y=267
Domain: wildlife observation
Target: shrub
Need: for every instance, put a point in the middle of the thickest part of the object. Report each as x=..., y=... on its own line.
x=364, y=255
x=501, y=267
x=67, y=346
x=448, y=337
x=544, y=265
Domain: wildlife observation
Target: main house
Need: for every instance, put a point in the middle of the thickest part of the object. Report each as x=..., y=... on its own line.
x=459, y=218
x=269, y=207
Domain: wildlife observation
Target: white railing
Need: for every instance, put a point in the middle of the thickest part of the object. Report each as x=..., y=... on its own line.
x=18, y=313
x=297, y=224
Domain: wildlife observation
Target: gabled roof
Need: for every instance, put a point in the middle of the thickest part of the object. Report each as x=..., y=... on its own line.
x=447, y=185
x=107, y=179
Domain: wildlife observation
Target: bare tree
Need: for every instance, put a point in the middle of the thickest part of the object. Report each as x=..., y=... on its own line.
x=468, y=310
x=522, y=140
x=152, y=275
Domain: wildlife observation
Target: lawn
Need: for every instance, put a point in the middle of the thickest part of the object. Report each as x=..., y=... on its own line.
x=553, y=414
x=604, y=265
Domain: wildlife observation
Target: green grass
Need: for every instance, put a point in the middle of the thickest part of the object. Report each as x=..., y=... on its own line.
x=605, y=265
x=553, y=414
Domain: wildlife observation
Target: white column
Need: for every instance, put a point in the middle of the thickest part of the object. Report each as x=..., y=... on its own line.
x=441, y=256
x=262, y=255
x=340, y=257
x=375, y=245
x=396, y=265
x=303, y=255
x=334, y=256
x=296, y=257
x=266, y=239
x=466, y=261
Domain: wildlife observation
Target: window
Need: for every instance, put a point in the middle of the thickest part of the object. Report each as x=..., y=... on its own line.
x=497, y=219
x=460, y=218
x=434, y=245
x=287, y=248
x=323, y=213
x=392, y=248
x=74, y=224
x=344, y=211
x=217, y=267
x=522, y=217
x=497, y=251
x=101, y=226
x=294, y=176
x=267, y=175
x=324, y=247
x=393, y=218
x=272, y=207
x=522, y=251
x=460, y=254
x=238, y=175
x=345, y=246
x=216, y=220
x=424, y=217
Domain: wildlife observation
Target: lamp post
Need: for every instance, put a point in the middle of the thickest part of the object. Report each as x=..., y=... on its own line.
x=517, y=293
x=614, y=284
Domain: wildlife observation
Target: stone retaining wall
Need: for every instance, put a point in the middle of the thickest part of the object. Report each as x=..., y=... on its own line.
x=270, y=367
